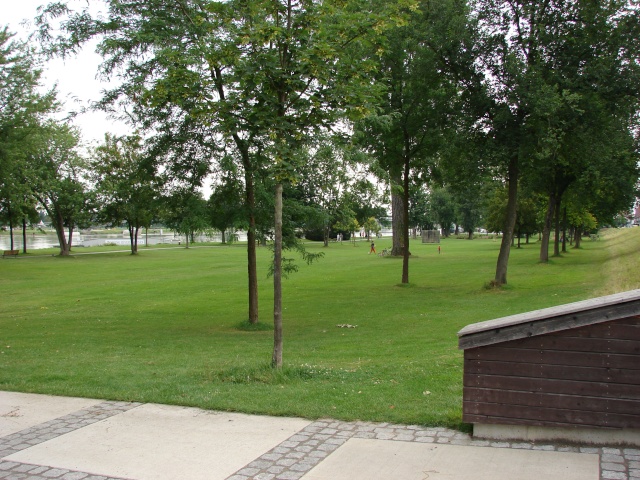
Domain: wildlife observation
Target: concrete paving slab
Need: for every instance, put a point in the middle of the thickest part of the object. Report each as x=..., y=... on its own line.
x=19, y=411
x=164, y=442
x=364, y=459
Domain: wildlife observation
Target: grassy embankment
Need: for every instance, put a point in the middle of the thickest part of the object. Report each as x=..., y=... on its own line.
x=163, y=326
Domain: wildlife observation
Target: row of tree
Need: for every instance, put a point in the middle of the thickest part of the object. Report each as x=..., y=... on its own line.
x=521, y=97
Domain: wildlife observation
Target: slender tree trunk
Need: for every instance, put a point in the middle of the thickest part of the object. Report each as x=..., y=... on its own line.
x=252, y=264
x=505, y=245
x=70, y=242
x=578, y=236
x=546, y=231
x=135, y=240
x=325, y=235
x=276, y=359
x=397, y=214
x=224, y=240
x=131, y=238
x=11, y=229
x=405, y=224
x=24, y=235
x=564, y=229
x=58, y=225
x=556, y=240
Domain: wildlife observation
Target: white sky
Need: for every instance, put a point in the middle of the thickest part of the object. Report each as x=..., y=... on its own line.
x=75, y=77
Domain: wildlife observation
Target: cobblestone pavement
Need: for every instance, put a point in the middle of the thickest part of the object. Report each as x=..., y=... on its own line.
x=298, y=454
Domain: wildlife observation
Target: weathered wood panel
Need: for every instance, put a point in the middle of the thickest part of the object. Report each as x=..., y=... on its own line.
x=583, y=376
x=550, y=400
x=547, y=385
x=535, y=355
x=551, y=415
x=562, y=372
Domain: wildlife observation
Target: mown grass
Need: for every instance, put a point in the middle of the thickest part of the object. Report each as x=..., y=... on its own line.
x=168, y=325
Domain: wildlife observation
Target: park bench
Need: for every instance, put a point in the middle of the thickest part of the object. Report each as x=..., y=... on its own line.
x=10, y=253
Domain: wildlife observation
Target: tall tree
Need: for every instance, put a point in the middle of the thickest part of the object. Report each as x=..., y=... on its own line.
x=225, y=206
x=57, y=173
x=418, y=103
x=185, y=211
x=443, y=209
x=537, y=59
x=24, y=105
x=127, y=191
x=263, y=74
x=325, y=177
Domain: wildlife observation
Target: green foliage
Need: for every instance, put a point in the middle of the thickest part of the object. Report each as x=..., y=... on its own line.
x=225, y=208
x=557, y=93
x=126, y=189
x=23, y=108
x=443, y=209
x=371, y=226
x=185, y=211
x=57, y=174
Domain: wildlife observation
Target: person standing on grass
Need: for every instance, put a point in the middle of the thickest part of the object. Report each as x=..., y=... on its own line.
x=373, y=248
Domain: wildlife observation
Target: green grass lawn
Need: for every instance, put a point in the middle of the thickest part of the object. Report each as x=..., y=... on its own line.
x=162, y=326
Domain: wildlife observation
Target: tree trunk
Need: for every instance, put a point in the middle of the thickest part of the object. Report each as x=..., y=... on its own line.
x=578, y=236
x=556, y=240
x=24, y=235
x=252, y=264
x=223, y=239
x=564, y=229
x=132, y=239
x=397, y=214
x=276, y=359
x=546, y=230
x=11, y=230
x=405, y=224
x=58, y=225
x=505, y=245
x=70, y=242
x=135, y=240
x=325, y=235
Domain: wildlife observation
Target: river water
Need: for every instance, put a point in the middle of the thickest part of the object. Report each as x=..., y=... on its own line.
x=50, y=240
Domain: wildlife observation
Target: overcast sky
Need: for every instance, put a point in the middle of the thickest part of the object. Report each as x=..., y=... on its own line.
x=75, y=77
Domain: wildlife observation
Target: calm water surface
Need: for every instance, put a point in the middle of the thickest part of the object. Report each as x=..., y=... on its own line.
x=50, y=240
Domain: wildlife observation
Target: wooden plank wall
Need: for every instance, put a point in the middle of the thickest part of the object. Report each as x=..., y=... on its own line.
x=587, y=376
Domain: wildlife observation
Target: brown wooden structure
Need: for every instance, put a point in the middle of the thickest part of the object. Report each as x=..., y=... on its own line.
x=572, y=366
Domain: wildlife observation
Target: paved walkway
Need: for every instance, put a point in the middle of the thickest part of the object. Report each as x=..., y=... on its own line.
x=43, y=437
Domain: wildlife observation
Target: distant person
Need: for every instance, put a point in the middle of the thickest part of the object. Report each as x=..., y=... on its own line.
x=373, y=248
x=438, y=249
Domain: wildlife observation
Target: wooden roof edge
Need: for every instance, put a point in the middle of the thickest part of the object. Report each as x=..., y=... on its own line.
x=547, y=313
